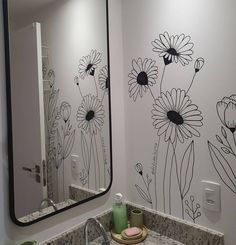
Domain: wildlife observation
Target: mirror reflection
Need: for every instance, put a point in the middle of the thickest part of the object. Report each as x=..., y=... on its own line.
x=60, y=103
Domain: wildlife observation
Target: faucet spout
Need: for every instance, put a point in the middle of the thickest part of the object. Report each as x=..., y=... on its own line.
x=50, y=202
x=101, y=229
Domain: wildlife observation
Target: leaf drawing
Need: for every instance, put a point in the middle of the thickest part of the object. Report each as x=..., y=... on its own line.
x=222, y=167
x=186, y=169
x=53, y=103
x=143, y=194
x=69, y=144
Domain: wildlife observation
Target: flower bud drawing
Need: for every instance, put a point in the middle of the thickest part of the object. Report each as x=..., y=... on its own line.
x=199, y=63
x=139, y=168
x=65, y=110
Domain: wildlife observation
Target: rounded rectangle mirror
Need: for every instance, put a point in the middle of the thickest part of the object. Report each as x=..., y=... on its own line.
x=58, y=87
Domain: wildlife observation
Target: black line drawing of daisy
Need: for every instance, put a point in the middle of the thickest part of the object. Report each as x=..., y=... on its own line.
x=176, y=49
x=90, y=114
x=142, y=76
x=175, y=116
x=104, y=80
x=88, y=65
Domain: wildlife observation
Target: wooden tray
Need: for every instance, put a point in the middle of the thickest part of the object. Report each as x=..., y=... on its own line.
x=118, y=237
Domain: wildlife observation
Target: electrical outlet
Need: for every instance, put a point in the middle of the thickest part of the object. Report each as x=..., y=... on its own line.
x=75, y=164
x=211, y=196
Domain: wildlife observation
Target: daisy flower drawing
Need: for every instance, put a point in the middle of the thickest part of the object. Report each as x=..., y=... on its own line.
x=175, y=116
x=90, y=114
x=103, y=78
x=142, y=76
x=89, y=63
x=176, y=48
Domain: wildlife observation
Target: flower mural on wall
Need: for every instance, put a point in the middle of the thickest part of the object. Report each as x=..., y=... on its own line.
x=172, y=48
x=89, y=63
x=90, y=117
x=220, y=156
x=226, y=110
x=192, y=209
x=175, y=118
x=60, y=135
x=103, y=78
x=142, y=76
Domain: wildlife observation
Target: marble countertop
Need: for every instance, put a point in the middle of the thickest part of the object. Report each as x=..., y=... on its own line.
x=153, y=238
x=45, y=211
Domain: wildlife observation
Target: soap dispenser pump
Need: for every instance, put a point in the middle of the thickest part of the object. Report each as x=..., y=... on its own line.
x=119, y=211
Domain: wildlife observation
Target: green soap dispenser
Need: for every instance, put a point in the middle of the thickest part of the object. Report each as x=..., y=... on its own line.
x=119, y=212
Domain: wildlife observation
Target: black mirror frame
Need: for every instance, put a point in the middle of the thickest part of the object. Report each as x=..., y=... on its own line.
x=9, y=125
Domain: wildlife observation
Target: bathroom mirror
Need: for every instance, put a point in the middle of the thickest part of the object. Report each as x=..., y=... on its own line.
x=59, y=122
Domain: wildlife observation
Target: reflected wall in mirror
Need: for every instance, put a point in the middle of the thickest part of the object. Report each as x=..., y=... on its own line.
x=60, y=105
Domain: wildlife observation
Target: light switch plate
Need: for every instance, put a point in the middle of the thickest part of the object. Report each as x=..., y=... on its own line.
x=75, y=164
x=211, y=196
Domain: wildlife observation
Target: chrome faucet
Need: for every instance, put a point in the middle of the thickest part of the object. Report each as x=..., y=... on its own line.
x=48, y=201
x=101, y=229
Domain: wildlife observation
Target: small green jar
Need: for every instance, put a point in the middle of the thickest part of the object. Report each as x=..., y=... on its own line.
x=30, y=243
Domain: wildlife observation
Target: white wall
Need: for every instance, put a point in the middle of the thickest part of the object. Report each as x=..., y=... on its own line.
x=210, y=24
x=11, y=234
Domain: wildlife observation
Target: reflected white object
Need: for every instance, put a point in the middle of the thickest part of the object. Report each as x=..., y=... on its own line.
x=75, y=164
x=211, y=196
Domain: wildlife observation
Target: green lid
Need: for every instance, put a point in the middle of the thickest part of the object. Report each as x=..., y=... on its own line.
x=29, y=243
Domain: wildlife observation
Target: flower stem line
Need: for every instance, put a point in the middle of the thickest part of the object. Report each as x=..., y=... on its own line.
x=95, y=85
x=164, y=177
x=148, y=190
x=90, y=159
x=104, y=158
x=63, y=159
x=92, y=151
x=191, y=82
x=103, y=95
x=170, y=175
x=78, y=85
x=163, y=74
x=155, y=172
x=98, y=164
x=234, y=139
x=151, y=93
